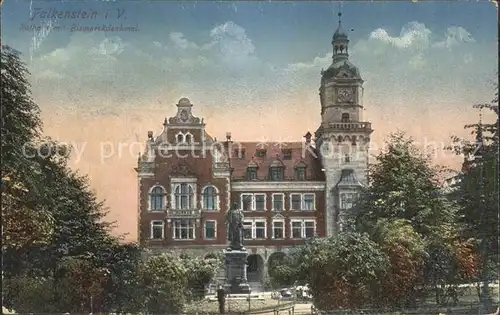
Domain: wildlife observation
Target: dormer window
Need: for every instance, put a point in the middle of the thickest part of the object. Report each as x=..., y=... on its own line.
x=277, y=170
x=276, y=173
x=239, y=153
x=251, y=173
x=300, y=173
x=300, y=170
x=345, y=117
x=287, y=154
x=261, y=153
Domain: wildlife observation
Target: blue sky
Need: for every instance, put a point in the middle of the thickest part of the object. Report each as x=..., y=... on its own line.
x=252, y=68
x=274, y=27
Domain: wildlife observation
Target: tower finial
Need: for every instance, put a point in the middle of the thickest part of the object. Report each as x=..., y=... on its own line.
x=340, y=15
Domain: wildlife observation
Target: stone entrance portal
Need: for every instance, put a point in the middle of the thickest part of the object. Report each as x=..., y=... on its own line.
x=255, y=268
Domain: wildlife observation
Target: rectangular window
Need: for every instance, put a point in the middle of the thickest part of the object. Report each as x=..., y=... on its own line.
x=287, y=154
x=210, y=230
x=309, y=229
x=261, y=153
x=296, y=229
x=251, y=173
x=278, y=200
x=278, y=230
x=346, y=200
x=276, y=173
x=308, y=202
x=183, y=229
x=239, y=153
x=295, y=201
x=254, y=229
x=247, y=230
x=246, y=202
x=260, y=202
x=260, y=229
x=300, y=173
x=303, y=228
x=157, y=230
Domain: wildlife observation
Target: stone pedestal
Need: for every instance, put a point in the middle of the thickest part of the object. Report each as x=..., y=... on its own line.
x=236, y=271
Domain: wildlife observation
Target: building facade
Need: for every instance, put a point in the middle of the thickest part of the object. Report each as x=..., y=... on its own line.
x=289, y=192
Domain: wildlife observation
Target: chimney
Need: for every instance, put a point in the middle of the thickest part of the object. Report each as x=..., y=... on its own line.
x=150, y=135
x=308, y=137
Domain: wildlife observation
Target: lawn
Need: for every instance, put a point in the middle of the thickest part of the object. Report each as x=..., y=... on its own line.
x=468, y=304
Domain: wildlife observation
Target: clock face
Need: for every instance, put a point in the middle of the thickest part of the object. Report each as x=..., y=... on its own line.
x=345, y=95
x=184, y=115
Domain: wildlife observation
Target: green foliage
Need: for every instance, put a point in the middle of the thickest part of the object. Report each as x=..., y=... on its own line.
x=342, y=270
x=283, y=269
x=403, y=185
x=25, y=222
x=476, y=193
x=50, y=216
x=30, y=294
x=164, y=281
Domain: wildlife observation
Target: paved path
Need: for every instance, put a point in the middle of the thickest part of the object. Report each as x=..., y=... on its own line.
x=302, y=308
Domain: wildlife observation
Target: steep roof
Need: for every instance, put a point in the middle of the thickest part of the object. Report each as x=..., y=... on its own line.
x=287, y=155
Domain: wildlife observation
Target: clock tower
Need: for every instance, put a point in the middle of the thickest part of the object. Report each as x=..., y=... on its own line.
x=343, y=137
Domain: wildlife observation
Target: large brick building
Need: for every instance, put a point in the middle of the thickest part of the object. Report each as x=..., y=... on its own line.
x=288, y=191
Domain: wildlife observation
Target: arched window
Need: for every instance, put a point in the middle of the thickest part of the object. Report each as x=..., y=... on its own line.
x=209, y=196
x=188, y=138
x=180, y=138
x=345, y=117
x=157, y=199
x=184, y=197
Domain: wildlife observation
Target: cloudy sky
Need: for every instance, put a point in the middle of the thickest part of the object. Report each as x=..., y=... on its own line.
x=252, y=68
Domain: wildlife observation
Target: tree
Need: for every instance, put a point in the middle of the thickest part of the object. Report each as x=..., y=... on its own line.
x=403, y=185
x=201, y=272
x=342, y=270
x=164, y=281
x=283, y=269
x=79, y=226
x=406, y=252
x=404, y=211
x=122, y=287
x=25, y=222
x=477, y=191
x=58, y=252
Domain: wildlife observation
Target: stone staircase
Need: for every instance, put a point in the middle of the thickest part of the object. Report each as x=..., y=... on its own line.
x=256, y=286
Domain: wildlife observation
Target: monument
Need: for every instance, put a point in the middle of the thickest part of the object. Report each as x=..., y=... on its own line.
x=235, y=256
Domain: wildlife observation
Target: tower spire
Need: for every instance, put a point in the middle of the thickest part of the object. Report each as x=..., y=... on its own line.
x=340, y=41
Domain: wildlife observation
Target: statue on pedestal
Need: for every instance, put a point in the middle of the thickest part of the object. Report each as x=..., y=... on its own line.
x=234, y=223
